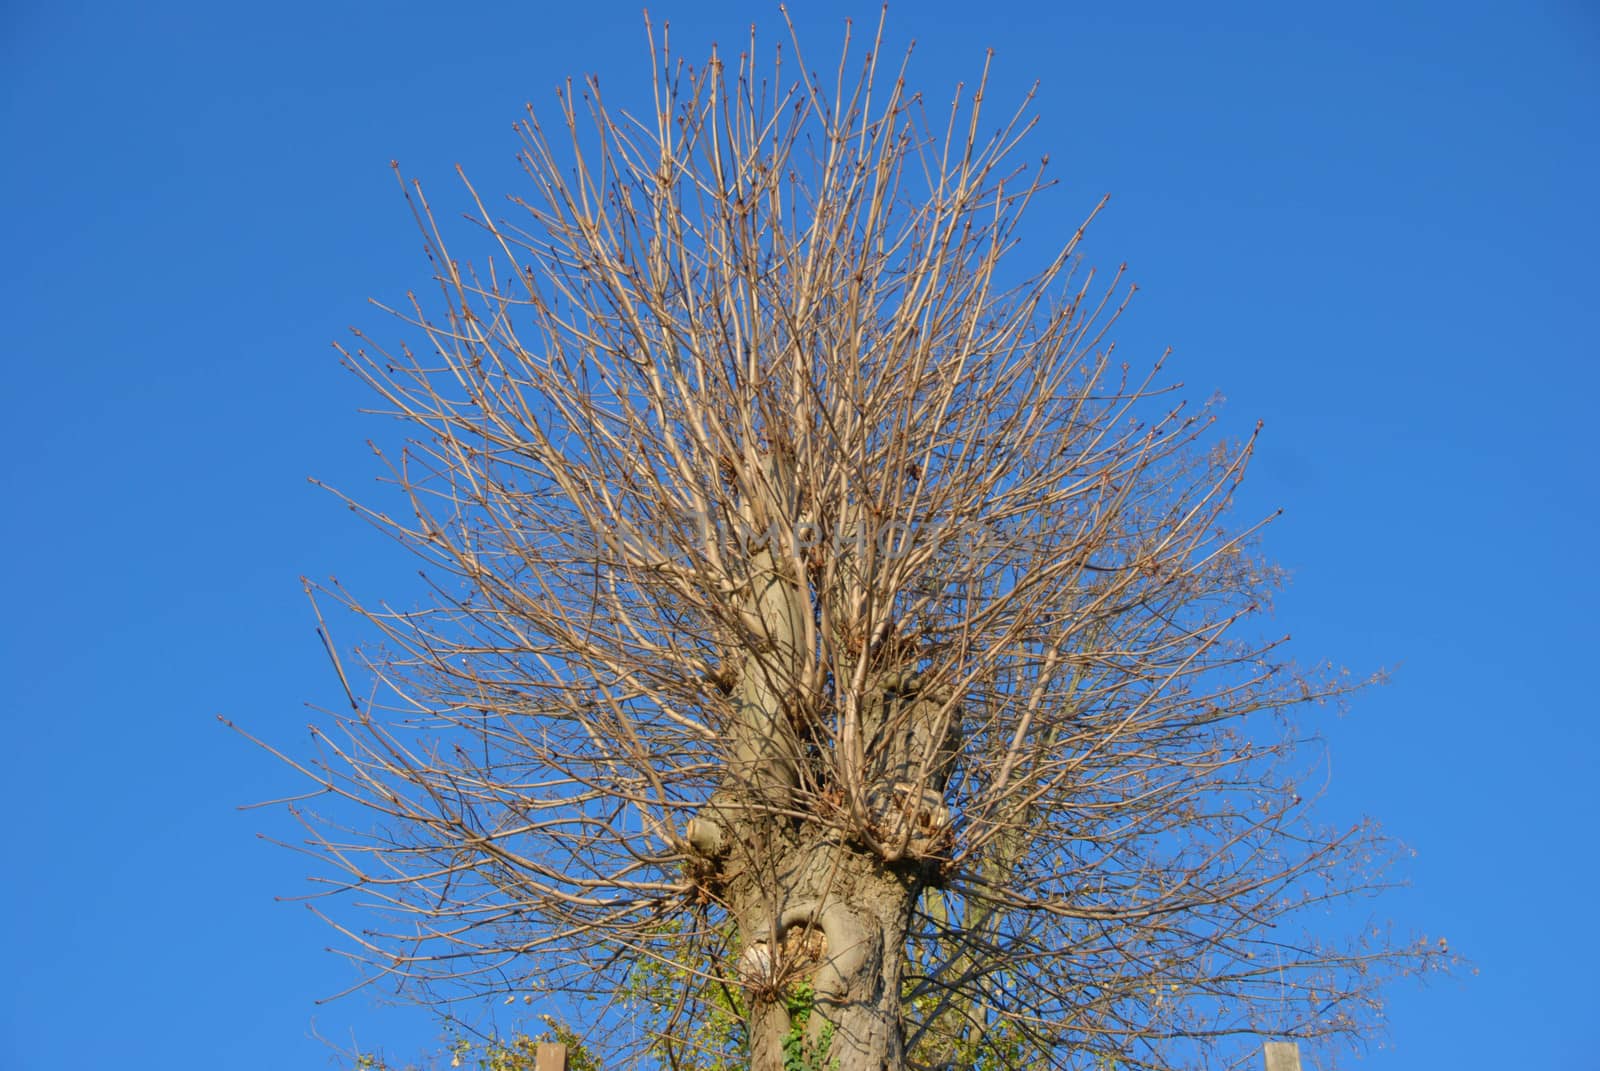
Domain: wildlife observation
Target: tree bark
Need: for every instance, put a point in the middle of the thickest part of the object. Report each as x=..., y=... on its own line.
x=832, y=951
x=823, y=913
x=822, y=902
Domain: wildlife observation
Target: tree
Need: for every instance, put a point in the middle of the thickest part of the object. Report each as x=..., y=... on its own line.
x=833, y=648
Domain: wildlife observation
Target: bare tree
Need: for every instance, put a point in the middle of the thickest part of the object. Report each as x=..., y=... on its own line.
x=823, y=616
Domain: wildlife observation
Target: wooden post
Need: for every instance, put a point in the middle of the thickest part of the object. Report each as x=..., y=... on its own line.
x=550, y=1056
x=1281, y=1055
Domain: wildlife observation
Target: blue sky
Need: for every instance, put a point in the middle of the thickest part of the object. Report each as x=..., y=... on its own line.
x=1372, y=225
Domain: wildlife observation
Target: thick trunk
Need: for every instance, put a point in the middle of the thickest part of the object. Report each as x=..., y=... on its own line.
x=824, y=967
x=823, y=909
x=822, y=902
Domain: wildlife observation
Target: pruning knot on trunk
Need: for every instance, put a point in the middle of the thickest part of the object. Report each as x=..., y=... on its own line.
x=911, y=820
x=826, y=944
x=767, y=969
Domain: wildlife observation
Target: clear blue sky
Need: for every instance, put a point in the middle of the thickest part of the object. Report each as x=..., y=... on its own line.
x=1372, y=225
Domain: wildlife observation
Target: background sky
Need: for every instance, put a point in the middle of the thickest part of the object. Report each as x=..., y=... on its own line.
x=1371, y=225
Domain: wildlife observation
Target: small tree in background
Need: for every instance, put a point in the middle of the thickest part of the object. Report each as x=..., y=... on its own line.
x=835, y=653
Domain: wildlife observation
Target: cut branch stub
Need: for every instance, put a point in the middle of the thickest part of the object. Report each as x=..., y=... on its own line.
x=706, y=838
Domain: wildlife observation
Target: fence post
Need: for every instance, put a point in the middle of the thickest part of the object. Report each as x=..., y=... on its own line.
x=1281, y=1055
x=550, y=1056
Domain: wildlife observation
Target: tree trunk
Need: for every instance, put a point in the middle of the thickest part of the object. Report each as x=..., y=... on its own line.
x=830, y=956
x=822, y=905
